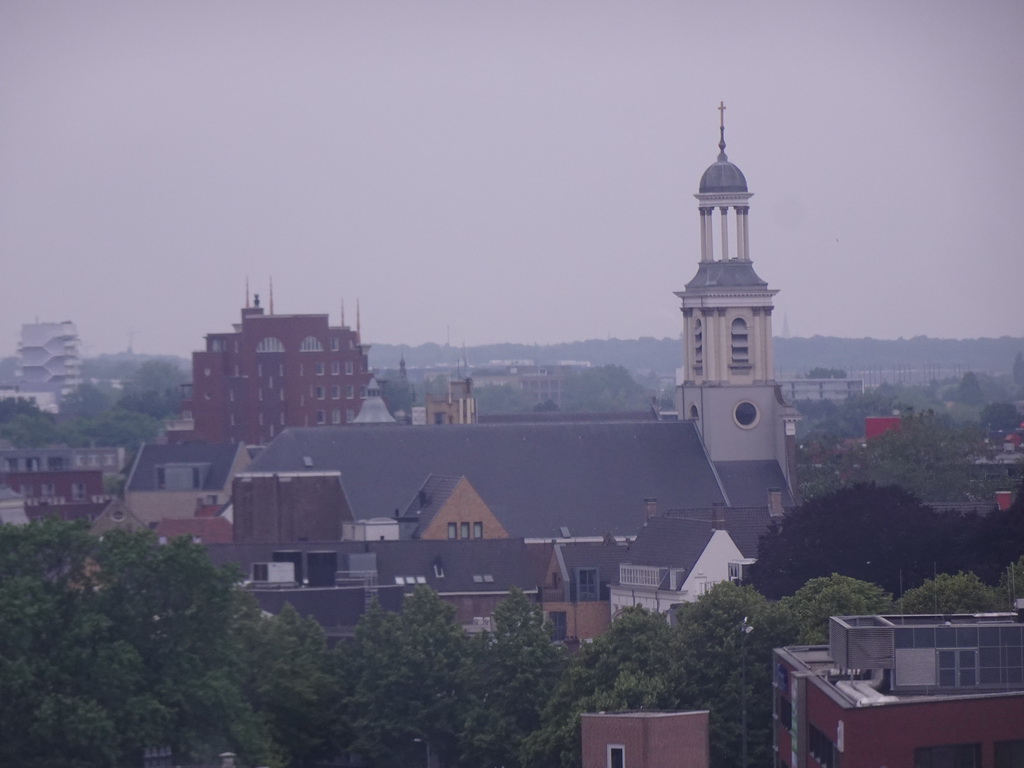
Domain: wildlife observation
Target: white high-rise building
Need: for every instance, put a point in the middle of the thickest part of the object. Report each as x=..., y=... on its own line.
x=48, y=358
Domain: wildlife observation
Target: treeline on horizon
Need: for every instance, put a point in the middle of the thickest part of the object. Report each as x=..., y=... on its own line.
x=793, y=356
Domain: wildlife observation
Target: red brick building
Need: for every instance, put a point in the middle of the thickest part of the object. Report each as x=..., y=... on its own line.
x=645, y=739
x=904, y=692
x=272, y=372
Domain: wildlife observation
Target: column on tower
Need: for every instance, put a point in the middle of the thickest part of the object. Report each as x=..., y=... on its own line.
x=742, y=214
x=707, y=232
x=703, y=234
x=725, y=232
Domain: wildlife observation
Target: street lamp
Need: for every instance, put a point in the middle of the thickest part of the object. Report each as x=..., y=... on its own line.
x=427, y=745
x=745, y=629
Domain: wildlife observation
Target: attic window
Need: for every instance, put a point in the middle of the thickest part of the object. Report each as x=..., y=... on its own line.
x=564, y=531
x=307, y=461
x=481, y=578
x=438, y=571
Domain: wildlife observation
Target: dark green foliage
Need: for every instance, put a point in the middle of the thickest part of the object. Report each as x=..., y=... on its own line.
x=512, y=674
x=635, y=665
x=948, y=593
x=109, y=646
x=398, y=393
x=933, y=460
x=826, y=373
x=1000, y=417
x=502, y=398
x=606, y=388
x=713, y=646
x=879, y=534
x=87, y=401
x=835, y=595
x=291, y=681
x=969, y=390
x=154, y=390
x=1018, y=370
x=406, y=686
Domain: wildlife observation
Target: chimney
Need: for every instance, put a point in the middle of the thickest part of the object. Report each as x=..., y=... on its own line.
x=1003, y=500
x=775, y=503
x=718, y=516
x=422, y=498
x=650, y=507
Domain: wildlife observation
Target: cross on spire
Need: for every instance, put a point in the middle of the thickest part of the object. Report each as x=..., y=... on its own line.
x=721, y=128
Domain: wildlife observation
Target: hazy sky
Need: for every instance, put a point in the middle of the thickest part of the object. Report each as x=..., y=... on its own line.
x=511, y=171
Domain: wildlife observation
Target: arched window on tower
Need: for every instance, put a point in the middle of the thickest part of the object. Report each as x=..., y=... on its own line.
x=740, y=347
x=698, y=347
x=270, y=344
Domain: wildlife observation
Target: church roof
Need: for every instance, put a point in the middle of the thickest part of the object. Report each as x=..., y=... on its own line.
x=722, y=176
x=590, y=478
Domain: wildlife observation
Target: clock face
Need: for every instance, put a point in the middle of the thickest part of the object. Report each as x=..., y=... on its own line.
x=746, y=414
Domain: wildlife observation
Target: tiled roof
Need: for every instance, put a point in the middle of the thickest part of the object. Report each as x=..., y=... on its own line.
x=536, y=478
x=219, y=456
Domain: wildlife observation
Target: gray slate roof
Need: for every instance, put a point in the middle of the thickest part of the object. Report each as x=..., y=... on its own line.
x=589, y=477
x=219, y=456
x=746, y=482
x=734, y=273
x=670, y=542
x=508, y=562
x=429, y=499
x=745, y=525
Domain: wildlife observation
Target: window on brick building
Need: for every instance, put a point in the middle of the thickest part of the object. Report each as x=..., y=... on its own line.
x=559, y=629
x=335, y=393
x=78, y=491
x=1010, y=754
x=321, y=417
x=478, y=530
x=350, y=392
x=311, y=344
x=616, y=756
x=335, y=344
x=453, y=531
x=464, y=530
x=270, y=344
x=948, y=756
x=319, y=369
x=336, y=416
x=335, y=368
x=349, y=368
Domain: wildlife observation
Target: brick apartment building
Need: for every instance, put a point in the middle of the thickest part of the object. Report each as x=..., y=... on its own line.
x=943, y=691
x=272, y=372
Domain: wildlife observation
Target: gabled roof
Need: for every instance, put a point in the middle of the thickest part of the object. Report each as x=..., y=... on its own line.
x=219, y=457
x=667, y=542
x=605, y=557
x=536, y=478
x=745, y=525
x=429, y=499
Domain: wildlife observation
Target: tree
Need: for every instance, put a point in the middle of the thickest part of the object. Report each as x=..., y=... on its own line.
x=407, y=688
x=826, y=373
x=726, y=639
x=86, y=401
x=969, y=390
x=931, y=460
x=117, y=428
x=110, y=646
x=290, y=683
x=154, y=390
x=878, y=534
x=947, y=593
x=398, y=393
x=607, y=388
x=999, y=417
x=502, y=398
x=30, y=429
x=834, y=595
x=1018, y=370
x=514, y=672
x=634, y=665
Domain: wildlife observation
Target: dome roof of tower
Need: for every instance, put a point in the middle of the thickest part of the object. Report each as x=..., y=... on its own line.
x=723, y=176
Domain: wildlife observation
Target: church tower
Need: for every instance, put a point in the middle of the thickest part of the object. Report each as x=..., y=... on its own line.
x=728, y=386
